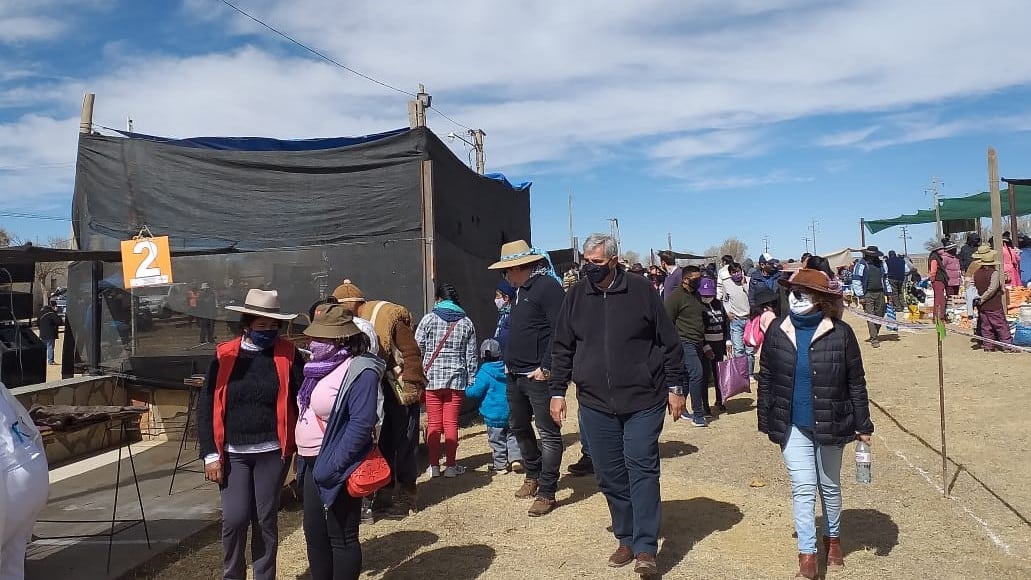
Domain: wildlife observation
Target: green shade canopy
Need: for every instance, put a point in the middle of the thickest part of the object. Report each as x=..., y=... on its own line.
x=974, y=206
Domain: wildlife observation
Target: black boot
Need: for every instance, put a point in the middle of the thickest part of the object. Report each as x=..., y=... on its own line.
x=584, y=466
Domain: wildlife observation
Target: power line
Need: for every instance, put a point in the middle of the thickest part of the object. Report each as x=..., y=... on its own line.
x=317, y=53
x=438, y=111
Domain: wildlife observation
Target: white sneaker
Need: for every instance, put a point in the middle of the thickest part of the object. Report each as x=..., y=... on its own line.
x=433, y=471
x=454, y=471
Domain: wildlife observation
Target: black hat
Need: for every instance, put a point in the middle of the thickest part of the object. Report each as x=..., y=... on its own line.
x=872, y=251
x=763, y=295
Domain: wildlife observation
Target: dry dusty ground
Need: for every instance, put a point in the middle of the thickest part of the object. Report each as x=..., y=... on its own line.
x=715, y=525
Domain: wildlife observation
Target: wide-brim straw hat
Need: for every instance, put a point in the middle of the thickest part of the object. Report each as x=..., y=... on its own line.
x=332, y=321
x=812, y=279
x=515, y=254
x=263, y=303
x=989, y=257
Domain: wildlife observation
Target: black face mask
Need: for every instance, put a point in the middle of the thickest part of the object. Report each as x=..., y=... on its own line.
x=596, y=272
x=694, y=283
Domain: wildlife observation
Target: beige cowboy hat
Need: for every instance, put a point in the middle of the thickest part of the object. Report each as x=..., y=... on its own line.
x=264, y=303
x=515, y=254
x=332, y=321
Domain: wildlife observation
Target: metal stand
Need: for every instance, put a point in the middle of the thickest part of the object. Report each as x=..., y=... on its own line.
x=193, y=389
x=114, y=521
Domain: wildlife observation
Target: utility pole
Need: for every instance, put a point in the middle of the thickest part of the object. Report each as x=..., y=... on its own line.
x=128, y=124
x=669, y=242
x=766, y=240
x=905, y=237
x=477, y=135
x=572, y=237
x=806, y=240
x=814, y=227
x=417, y=108
x=614, y=232
x=937, y=210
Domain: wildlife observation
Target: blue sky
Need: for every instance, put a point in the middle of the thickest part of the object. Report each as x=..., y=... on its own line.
x=705, y=119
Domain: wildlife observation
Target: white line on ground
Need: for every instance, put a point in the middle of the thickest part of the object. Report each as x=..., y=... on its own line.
x=999, y=543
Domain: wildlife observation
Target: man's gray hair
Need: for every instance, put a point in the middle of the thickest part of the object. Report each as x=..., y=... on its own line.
x=595, y=240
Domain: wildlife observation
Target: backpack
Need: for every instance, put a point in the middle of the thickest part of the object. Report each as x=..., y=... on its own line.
x=754, y=334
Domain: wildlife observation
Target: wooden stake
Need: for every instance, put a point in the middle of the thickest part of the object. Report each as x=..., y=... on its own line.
x=86, y=119
x=941, y=408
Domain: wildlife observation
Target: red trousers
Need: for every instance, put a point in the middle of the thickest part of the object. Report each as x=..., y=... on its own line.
x=993, y=325
x=940, y=301
x=442, y=408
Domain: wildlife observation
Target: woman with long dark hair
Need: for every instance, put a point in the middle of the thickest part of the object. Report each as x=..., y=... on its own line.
x=340, y=404
x=448, y=342
x=812, y=400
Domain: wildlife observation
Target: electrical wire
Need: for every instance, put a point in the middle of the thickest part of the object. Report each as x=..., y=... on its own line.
x=316, y=52
x=330, y=60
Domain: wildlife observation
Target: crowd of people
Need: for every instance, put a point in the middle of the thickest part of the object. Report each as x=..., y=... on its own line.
x=351, y=400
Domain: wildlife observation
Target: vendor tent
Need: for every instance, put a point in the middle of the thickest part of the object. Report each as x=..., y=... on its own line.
x=394, y=212
x=974, y=206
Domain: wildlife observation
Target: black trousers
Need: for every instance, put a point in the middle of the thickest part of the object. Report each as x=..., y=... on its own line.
x=331, y=533
x=250, y=501
x=399, y=440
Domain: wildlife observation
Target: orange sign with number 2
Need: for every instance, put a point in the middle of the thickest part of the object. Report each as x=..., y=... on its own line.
x=146, y=262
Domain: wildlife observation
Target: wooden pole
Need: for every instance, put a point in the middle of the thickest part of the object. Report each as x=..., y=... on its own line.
x=862, y=233
x=941, y=409
x=993, y=188
x=1013, y=213
x=429, y=251
x=86, y=118
x=477, y=135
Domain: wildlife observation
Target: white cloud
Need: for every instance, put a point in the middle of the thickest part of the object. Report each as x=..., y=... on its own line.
x=560, y=84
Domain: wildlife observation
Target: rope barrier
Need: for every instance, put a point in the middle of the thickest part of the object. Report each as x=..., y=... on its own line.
x=915, y=327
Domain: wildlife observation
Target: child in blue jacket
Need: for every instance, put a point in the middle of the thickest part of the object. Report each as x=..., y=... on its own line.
x=491, y=385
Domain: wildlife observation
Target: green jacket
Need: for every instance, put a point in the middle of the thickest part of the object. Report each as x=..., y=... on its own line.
x=685, y=309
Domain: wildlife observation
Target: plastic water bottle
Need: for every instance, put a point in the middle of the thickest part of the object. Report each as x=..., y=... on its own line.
x=863, y=460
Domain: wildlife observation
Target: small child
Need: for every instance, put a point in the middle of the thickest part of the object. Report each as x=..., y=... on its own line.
x=491, y=386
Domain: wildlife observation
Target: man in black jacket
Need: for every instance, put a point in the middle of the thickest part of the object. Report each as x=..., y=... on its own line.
x=615, y=342
x=685, y=307
x=49, y=324
x=527, y=357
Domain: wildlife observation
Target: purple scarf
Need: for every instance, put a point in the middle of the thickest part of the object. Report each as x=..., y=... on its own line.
x=325, y=357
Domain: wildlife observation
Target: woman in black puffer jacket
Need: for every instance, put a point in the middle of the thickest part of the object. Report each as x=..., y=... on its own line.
x=812, y=401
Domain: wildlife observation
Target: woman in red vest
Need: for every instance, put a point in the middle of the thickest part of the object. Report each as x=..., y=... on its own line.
x=246, y=417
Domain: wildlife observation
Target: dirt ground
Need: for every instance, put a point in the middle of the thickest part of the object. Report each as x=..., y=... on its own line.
x=714, y=524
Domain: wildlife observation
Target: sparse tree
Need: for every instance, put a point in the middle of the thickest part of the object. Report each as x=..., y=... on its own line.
x=933, y=243
x=730, y=247
x=631, y=257
x=5, y=238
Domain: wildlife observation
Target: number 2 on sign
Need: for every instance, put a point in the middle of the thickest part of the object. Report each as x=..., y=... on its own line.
x=145, y=269
x=146, y=262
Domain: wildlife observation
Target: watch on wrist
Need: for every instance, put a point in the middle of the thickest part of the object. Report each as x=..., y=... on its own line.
x=546, y=373
x=678, y=391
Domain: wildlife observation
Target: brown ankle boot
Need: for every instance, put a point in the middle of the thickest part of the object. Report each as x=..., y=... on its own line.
x=835, y=561
x=806, y=566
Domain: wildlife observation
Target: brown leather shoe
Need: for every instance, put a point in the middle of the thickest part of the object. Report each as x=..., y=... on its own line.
x=541, y=506
x=621, y=557
x=646, y=565
x=835, y=561
x=528, y=490
x=806, y=566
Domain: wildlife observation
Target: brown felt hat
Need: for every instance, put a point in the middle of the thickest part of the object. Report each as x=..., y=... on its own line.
x=332, y=321
x=812, y=279
x=348, y=292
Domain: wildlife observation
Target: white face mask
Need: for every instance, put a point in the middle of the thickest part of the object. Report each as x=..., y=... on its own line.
x=801, y=305
x=499, y=302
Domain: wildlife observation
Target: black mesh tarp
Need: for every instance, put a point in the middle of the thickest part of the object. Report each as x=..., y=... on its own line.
x=306, y=220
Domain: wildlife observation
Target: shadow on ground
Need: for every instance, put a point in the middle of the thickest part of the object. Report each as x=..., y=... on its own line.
x=687, y=522
x=868, y=529
x=453, y=563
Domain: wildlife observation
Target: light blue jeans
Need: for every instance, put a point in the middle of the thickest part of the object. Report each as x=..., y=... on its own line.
x=737, y=336
x=503, y=446
x=811, y=466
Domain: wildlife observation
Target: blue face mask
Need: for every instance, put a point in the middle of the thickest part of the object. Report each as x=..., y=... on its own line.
x=263, y=338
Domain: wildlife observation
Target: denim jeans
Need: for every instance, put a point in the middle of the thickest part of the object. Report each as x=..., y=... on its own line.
x=585, y=447
x=50, y=349
x=813, y=466
x=737, y=336
x=626, y=464
x=503, y=446
x=530, y=400
x=695, y=378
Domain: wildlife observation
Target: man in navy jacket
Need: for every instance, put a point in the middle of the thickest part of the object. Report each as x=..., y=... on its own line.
x=614, y=340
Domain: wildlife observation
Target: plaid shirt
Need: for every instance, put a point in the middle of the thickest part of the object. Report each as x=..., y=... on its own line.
x=455, y=366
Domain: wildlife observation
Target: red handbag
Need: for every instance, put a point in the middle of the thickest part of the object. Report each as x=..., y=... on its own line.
x=371, y=474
